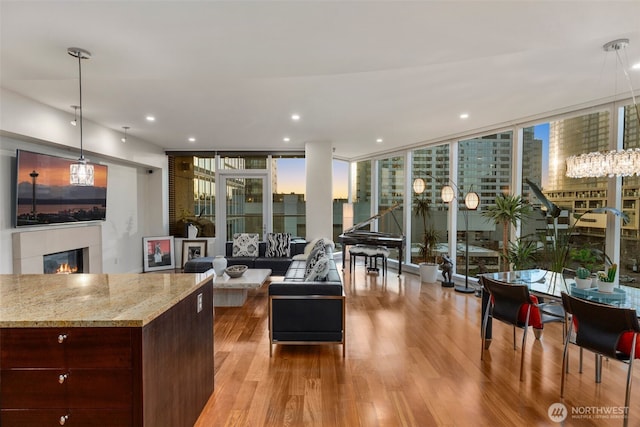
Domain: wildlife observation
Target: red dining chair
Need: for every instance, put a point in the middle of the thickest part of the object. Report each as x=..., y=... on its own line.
x=605, y=330
x=511, y=304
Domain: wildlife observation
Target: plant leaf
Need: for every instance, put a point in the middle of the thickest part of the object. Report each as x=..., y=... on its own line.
x=606, y=209
x=552, y=209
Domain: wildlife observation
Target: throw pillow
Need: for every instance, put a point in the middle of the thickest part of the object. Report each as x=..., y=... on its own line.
x=313, y=258
x=245, y=244
x=319, y=270
x=321, y=241
x=278, y=245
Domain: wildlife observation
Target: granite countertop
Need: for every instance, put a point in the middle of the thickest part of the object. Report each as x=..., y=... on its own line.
x=91, y=300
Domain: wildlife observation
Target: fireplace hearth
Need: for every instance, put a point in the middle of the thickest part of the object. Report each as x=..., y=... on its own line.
x=65, y=262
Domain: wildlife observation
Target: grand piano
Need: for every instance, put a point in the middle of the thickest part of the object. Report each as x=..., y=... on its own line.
x=355, y=236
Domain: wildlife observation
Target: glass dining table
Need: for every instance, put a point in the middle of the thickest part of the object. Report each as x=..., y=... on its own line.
x=548, y=285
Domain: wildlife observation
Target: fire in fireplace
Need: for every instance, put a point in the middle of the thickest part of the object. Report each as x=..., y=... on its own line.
x=65, y=262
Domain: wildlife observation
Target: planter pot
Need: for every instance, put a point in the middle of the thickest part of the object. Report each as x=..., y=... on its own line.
x=428, y=272
x=606, y=287
x=584, y=283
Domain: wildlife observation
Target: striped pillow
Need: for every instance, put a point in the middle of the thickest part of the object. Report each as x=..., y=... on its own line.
x=278, y=245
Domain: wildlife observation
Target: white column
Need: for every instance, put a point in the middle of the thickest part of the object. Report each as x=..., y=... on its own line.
x=319, y=189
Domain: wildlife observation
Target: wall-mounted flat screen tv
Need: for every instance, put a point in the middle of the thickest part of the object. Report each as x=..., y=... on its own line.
x=44, y=195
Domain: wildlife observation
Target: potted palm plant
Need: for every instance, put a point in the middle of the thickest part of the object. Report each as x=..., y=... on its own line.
x=428, y=267
x=508, y=210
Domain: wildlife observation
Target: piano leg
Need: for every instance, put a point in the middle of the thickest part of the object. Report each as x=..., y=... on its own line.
x=344, y=252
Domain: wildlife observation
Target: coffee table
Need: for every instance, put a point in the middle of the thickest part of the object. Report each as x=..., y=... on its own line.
x=228, y=292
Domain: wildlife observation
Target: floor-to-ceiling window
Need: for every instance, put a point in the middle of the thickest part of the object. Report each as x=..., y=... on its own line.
x=362, y=193
x=391, y=187
x=432, y=166
x=192, y=195
x=630, y=234
x=340, y=194
x=546, y=147
x=288, y=192
x=484, y=167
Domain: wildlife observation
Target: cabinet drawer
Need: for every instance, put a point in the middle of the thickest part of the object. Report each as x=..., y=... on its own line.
x=65, y=347
x=31, y=348
x=87, y=388
x=32, y=389
x=51, y=417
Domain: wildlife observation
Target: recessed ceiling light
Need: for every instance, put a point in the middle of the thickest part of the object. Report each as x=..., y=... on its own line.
x=151, y=119
x=464, y=115
x=379, y=140
x=192, y=139
x=286, y=139
x=295, y=117
x=636, y=66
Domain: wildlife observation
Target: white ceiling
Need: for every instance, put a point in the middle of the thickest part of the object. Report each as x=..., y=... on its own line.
x=231, y=73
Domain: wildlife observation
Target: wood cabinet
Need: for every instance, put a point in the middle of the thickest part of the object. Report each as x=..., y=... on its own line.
x=48, y=374
x=158, y=374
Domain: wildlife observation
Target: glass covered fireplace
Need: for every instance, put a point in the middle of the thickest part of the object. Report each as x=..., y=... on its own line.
x=65, y=262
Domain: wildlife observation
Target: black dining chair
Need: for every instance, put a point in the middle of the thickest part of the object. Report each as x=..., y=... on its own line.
x=605, y=330
x=511, y=304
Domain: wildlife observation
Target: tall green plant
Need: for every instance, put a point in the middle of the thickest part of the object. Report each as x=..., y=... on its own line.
x=559, y=246
x=508, y=210
x=522, y=254
x=422, y=209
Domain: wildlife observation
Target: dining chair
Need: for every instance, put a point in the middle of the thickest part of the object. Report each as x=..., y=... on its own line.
x=514, y=305
x=605, y=330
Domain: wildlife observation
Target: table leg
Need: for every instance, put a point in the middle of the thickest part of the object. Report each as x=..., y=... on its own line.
x=485, y=303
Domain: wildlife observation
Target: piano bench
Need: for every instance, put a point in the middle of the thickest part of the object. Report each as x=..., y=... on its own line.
x=371, y=254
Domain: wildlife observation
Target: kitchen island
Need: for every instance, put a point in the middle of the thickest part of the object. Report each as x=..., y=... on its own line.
x=105, y=349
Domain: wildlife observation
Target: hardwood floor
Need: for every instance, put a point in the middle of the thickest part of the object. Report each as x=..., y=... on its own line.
x=412, y=359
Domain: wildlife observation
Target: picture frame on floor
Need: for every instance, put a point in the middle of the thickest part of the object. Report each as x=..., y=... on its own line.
x=158, y=253
x=192, y=249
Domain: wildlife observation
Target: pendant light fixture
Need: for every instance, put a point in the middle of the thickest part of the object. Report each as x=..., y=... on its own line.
x=74, y=122
x=80, y=173
x=615, y=162
x=124, y=138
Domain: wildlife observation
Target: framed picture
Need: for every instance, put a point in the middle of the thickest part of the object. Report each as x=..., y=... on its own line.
x=158, y=253
x=193, y=249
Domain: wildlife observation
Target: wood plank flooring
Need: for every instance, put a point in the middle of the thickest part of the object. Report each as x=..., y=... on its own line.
x=413, y=359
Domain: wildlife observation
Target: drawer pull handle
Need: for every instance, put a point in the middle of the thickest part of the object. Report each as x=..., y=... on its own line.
x=62, y=338
x=62, y=378
x=63, y=419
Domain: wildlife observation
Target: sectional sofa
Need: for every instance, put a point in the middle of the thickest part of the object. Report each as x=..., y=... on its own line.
x=305, y=309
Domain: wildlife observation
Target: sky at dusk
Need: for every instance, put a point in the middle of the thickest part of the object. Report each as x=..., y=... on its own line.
x=52, y=170
x=291, y=177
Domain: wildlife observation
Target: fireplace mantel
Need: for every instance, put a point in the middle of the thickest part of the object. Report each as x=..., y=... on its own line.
x=29, y=247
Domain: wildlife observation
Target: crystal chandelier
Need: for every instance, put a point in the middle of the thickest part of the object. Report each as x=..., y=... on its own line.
x=599, y=164
x=615, y=162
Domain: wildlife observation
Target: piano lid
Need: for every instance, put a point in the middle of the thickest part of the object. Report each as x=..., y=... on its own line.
x=373, y=218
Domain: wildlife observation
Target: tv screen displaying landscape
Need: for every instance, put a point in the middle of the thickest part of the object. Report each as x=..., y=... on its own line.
x=44, y=195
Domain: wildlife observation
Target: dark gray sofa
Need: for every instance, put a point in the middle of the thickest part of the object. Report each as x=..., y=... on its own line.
x=278, y=265
x=307, y=312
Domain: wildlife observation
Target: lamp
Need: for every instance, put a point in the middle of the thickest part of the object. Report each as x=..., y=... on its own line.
x=471, y=202
x=75, y=115
x=419, y=185
x=124, y=138
x=80, y=173
x=615, y=162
